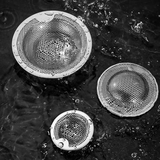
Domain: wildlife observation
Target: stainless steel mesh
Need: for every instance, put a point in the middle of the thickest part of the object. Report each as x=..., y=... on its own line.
x=127, y=89
x=72, y=127
x=56, y=45
x=55, y=50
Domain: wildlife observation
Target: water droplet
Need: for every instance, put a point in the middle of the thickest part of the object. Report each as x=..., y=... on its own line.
x=134, y=155
x=77, y=101
x=158, y=109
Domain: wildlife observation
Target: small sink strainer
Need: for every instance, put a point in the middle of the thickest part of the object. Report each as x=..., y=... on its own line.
x=51, y=44
x=72, y=130
x=127, y=89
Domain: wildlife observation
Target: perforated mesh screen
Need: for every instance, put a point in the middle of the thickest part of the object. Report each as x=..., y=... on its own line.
x=55, y=50
x=127, y=89
x=72, y=127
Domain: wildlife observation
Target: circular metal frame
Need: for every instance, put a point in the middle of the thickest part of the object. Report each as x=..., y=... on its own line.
x=63, y=143
x=47, y=16
x=104, y=95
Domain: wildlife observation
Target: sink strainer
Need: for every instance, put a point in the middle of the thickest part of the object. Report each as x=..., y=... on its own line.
x=72, y=130
x=51, y=44
x=127, y=89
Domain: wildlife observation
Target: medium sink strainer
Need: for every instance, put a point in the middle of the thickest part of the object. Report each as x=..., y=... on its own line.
x=51, y=44
x=127, y=89
x=72, y=130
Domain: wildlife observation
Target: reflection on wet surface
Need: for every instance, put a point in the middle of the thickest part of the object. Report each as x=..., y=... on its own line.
x=7, y=19
x=122, y=31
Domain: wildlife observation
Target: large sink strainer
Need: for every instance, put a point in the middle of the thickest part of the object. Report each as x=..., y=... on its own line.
x=51, y=44
x=127, y=89
x=72, y=130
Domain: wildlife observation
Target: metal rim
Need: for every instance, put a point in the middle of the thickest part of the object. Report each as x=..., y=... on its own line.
x=130, y=67
x=62, y=143
x=47, y=16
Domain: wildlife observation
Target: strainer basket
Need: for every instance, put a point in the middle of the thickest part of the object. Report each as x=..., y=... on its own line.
x=72, y=130
x=127, y=89
x=51, y=44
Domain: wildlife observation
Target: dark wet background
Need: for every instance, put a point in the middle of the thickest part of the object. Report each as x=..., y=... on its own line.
x=122, y=31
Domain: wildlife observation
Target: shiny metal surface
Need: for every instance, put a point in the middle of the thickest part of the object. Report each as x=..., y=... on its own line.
x=72, y=130
x=127, y=89
x=51, y=44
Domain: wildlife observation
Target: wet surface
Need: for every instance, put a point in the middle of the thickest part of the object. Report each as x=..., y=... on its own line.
x=7, y=18
x=122, y=31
